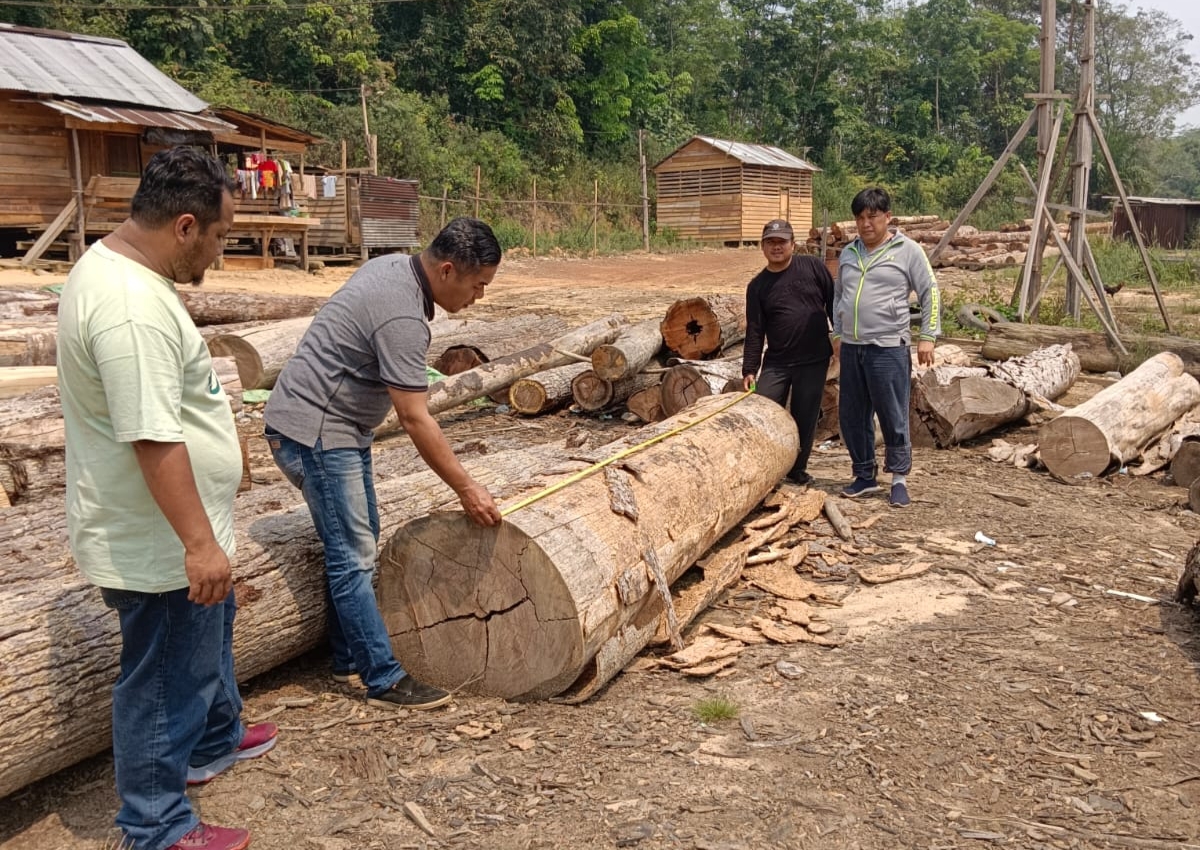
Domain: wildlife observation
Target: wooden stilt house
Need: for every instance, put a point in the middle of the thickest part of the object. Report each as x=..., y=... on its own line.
x=714, y=190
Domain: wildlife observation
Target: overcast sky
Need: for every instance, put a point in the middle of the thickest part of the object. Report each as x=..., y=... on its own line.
x=1187, y=12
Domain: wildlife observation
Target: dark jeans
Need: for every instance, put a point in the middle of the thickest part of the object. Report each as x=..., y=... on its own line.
x=807, y=385
x=876, y=381
x=339, y=489
x=176, y=703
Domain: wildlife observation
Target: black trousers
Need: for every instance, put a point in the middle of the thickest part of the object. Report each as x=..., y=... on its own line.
x=806, y=383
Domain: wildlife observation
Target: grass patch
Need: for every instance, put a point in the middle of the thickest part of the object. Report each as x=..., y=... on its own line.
x=715, y=710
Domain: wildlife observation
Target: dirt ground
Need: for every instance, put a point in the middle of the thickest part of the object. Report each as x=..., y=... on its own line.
x=1005, y=697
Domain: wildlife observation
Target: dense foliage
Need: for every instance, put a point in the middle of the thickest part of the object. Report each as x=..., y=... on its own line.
x=919, y=96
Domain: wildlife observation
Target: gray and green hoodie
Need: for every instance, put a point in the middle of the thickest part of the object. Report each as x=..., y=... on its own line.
x=870, y=301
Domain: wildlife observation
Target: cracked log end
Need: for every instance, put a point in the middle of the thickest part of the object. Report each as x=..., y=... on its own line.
x=483, y=610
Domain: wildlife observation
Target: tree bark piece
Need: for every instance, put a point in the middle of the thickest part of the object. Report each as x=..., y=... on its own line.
x=1009, y=339
x=685, y=382
x=1114, y=425
x=565, y=586
x=209, y=307
x=546, y=390
x=56, y=629
x=629, y=353
x=261, y=352
x=955, y=403
x=696, y=327
x=592, y=393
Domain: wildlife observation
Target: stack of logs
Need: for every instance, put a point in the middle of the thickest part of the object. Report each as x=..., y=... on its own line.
x=971, y=249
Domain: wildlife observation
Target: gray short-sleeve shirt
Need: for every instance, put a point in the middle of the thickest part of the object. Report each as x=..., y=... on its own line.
x=372, y=334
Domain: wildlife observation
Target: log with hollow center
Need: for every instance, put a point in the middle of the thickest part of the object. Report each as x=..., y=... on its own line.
x=524, y=609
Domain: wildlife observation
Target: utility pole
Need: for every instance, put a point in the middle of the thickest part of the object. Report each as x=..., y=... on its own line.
x=645, y=194
x=372, y=159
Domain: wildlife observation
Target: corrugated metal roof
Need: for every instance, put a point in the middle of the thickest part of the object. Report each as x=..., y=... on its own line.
x=67, y=65
x=96, y=114
x=758, y=154
x=1166, y=202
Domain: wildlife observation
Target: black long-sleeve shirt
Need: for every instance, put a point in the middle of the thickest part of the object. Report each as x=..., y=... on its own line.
x=791, y=310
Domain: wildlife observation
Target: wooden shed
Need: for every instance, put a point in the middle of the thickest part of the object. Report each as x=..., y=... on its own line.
x=714, y=190
x=1165, y=222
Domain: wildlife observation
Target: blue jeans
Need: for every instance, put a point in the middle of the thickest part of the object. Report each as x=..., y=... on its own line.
x=875, y=381
x=339, y=490
x=176, y=703
x=806, y=382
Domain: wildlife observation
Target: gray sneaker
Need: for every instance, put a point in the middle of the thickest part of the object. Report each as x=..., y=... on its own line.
x=409, y=693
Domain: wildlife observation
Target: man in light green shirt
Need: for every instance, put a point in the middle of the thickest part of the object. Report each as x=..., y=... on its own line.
x=153, y=465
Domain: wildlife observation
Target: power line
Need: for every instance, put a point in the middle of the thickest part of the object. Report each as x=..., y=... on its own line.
x=208, y=7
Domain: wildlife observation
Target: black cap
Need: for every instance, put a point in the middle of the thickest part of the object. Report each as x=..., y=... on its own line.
x=777, y=229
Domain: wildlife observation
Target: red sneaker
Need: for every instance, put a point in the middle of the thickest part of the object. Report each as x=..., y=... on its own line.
x=258, y=739
x=205, y=837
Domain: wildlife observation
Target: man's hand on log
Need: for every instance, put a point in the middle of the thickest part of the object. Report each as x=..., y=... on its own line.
x=479, y=505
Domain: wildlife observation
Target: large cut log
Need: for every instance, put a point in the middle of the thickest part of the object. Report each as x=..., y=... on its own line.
x=646, y=404
x=23, y=304
x=32, y=463
x=1185, y=465
x=523, y=609
x=210, y=307
x=696, y=327
x=29, y=345
x=1189, y=582
x=18, y=380
x=260, y=352
x=546, y=390
x=55, y=632
x=1114, y=425
x=492, y=338
x=955, y=403
x=1010, y=339
x=629, y=353
x=592, y=393
x=685, y=382
x=33, y=438
x=502, y=372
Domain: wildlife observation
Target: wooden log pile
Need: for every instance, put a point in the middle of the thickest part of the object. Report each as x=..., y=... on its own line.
x=970, y=248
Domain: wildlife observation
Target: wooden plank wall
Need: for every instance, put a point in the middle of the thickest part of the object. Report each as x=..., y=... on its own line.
x=35, y=170
x=106, y=202
x=331, y=233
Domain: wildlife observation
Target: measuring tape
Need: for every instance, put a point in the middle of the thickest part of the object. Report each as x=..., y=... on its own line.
x=624, y=453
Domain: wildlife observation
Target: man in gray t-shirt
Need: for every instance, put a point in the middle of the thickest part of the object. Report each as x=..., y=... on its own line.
x=364, y=355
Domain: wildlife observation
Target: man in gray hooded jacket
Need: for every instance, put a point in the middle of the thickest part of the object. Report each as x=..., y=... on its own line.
x=876, y=274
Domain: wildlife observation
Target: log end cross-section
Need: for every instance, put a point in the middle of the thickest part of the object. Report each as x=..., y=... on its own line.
x=465, y=605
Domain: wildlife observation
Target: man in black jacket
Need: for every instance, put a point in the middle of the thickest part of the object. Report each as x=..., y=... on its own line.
x=789, y=307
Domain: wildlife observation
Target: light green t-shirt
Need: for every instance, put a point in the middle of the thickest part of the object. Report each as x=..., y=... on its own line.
x=132, y=366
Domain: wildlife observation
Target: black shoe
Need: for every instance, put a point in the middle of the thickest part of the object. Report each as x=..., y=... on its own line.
x=409, y=693
x=800, y=479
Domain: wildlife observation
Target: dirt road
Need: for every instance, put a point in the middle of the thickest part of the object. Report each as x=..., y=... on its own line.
x=1004, y=697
